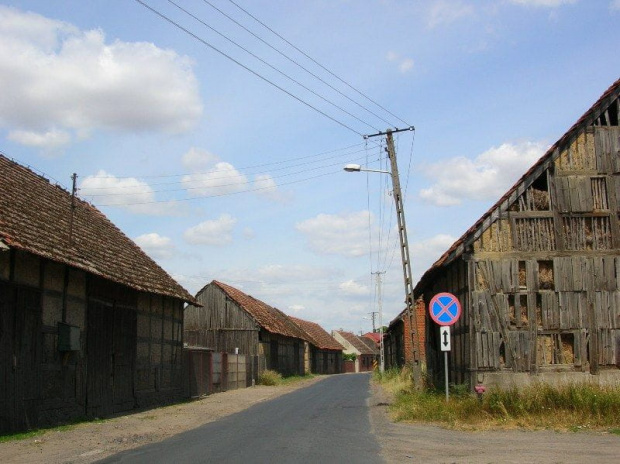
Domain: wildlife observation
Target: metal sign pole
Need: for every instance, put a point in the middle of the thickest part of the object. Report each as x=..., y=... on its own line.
x=445, y=358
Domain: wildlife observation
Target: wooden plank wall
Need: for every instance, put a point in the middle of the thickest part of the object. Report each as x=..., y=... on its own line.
x=220, y=324
x=540, y=286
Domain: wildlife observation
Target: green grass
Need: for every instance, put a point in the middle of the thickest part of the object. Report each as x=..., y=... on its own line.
x=272, y=378
x=572, y=407
x=21, y=435
x=59, y=428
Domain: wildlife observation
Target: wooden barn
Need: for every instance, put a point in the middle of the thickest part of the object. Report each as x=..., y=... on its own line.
x=231, y=321
x=324, y=353
x=89, y=324
x=538, y=276
x=365, y=353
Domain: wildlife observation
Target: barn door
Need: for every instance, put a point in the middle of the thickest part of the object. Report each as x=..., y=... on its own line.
x=111, y=359
x=123, y=358
x=20, y=322
x=99, y=392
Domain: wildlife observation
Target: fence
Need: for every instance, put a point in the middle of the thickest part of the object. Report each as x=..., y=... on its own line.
x=207, y=372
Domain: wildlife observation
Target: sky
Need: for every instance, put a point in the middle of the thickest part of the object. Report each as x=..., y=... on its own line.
x=213, y=133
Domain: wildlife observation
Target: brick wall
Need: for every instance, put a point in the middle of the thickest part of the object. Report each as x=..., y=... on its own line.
x=420, y=309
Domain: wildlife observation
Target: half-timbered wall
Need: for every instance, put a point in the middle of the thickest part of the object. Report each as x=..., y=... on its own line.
x=42, y=385
x=540, y=286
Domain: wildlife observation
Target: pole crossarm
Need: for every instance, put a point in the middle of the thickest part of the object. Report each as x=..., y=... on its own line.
x=389, y=131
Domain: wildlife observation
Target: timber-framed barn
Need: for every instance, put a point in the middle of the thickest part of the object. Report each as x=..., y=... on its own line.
x=89, y=324
x=538, y=275
x=230, y=321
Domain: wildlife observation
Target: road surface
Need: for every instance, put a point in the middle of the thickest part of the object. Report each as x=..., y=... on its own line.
x=327, y=422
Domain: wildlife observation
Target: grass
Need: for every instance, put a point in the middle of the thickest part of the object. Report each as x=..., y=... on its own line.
x=38, y=432
x=273, y=378
x=572, y=407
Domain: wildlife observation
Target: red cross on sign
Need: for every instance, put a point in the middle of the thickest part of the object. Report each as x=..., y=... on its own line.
x=445, y=308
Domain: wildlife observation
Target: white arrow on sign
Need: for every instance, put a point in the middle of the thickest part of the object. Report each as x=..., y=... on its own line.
x=444, y=337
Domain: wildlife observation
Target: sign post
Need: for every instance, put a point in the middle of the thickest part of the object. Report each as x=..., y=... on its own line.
x=445, y=310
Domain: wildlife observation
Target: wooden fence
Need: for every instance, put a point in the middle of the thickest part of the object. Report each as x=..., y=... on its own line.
x=209, y=372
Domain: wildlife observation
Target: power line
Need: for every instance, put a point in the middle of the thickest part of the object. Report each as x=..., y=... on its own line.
x=239, y=175
x=220, y=194
x=317, y=63
x=203, y=41
x=293, y=61
x=271, y=66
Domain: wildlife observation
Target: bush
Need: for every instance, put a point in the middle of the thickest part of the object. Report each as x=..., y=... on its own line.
x=270, y=378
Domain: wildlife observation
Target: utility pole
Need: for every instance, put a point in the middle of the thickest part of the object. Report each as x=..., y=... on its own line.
x=380, y=307
x=373, y=316
x=73, y=192
x=404, y=252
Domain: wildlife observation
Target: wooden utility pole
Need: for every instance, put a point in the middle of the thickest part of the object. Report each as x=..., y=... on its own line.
x=73, y=191
x=404, y=253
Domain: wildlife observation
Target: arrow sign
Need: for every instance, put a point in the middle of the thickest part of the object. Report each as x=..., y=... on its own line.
x=444, y=337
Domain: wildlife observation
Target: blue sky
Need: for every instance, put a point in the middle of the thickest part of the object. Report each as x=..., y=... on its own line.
x=218, y=173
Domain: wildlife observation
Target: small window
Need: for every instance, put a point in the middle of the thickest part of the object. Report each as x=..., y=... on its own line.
x=545, y=275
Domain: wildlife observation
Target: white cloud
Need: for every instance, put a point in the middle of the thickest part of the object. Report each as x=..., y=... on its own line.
x=221, y=179
x=156, y=246
x=614, y=5
x=486, y=177
x=248, y=233
x=447, y=11
x=265, y=186
x=543, y=3
x=404, y=64
x=55, y=77
x=198, y=160
x=344, y=234
x=350, y=287
x=52, y=139
x=129, y=193
x=216, y=232
x=424, y=253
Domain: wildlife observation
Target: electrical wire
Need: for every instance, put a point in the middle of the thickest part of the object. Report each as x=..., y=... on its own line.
x=295, y=62
x=271, y=66
x=202, y=181
x=260, y=76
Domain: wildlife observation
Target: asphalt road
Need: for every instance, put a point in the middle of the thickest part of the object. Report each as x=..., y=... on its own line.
x=327, y=422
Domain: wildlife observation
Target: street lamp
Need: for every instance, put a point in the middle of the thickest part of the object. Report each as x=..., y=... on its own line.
x=358, y=168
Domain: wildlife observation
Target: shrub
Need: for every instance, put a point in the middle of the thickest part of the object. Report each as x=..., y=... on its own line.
x=270, y=378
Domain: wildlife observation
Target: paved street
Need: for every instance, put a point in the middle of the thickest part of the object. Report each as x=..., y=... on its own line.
x=327, y=422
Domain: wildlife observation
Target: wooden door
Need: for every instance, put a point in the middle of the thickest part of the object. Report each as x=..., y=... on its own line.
x=123, y=359
x=20, y=327
x=111, y=358
x=99, y=391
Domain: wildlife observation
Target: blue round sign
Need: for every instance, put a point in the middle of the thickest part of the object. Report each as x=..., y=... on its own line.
x=445, y=308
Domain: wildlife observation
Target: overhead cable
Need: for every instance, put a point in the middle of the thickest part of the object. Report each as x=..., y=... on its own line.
x=260, y=76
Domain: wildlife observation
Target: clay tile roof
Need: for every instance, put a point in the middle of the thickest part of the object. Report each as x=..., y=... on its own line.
x=587, y=119
x=271, y=319
x=35, y=216
x=358, y=342
x=318, y=336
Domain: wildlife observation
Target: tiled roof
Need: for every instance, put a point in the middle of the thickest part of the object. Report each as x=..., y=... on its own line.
x=374, y=336
x=357, y=342
x=588, y=118
x=271, y=319
x=318, y=336
x=35, y=216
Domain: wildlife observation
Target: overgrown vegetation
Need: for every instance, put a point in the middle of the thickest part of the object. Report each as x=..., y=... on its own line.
x=349, y=356
x=271, y=378
x=571, y=407
x=58, y=428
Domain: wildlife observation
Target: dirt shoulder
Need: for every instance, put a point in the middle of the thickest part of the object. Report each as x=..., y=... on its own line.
x=91, y=441
x=425, y=443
